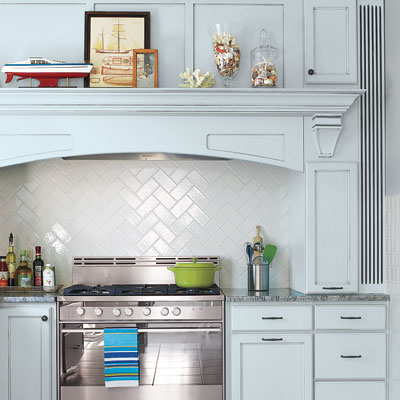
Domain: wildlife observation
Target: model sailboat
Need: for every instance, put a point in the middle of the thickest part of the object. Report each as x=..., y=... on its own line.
x=47, y=72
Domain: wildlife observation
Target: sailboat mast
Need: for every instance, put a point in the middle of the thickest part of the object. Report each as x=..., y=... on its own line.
x=102, y=38
x=119, y=47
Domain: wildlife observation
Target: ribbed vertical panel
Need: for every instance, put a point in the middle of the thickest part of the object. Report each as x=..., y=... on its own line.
x=371, y=25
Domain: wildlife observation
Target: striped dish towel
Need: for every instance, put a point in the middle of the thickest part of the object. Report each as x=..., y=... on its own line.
x=121, y=357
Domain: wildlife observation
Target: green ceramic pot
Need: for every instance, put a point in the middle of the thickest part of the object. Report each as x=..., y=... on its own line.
x=194, y=277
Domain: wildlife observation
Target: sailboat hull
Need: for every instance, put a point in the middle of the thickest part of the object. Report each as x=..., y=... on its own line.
x=46, y=79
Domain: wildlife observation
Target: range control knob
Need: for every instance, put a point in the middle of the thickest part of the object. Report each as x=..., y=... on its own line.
x=117, y=312
x=146, y=311
x=80, y=311
x=164, y=311
x=176, y=311
x=98, y=311
x=128, y=311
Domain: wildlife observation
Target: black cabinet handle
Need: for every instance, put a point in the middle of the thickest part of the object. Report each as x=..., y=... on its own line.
x=332, y=287
x=350, y=317
x=272, y=318
x=45, y=318
x=311, y=71
x=359, y=356
x=272, y=339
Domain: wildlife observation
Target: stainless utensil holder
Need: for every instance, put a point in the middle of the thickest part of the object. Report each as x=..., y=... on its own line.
x=258, y=276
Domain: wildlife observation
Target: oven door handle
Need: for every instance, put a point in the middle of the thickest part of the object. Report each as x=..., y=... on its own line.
x=154, y=330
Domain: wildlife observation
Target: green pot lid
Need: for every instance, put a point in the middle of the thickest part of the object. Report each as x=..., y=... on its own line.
x=195, y=264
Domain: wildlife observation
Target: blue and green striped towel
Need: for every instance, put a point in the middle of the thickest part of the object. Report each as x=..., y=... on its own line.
x=121, y=357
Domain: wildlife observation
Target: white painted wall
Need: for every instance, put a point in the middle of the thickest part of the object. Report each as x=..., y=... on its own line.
x=392, y=231
x=80, y=208
x=392, y=97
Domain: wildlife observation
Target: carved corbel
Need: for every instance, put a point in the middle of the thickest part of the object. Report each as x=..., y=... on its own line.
x=326, y=130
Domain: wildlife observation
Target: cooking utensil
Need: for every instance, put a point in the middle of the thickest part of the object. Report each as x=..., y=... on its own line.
x=249, y=252
x=269, y=252
x=194, y=277
x=258, y=243
x=195, y=264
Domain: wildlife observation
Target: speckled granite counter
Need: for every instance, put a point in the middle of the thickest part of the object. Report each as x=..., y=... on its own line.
x=289, y=295
x=28, y=295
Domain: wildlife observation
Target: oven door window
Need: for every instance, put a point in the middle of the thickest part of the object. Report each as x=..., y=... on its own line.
x=190, y=355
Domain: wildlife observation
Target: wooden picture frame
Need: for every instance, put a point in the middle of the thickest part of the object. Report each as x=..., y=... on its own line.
x=110, y=38
x=150, y=57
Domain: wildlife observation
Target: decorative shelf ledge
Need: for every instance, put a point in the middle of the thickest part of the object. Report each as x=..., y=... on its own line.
x=300, y=102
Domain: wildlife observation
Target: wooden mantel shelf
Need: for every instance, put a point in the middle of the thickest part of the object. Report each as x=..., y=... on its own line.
x=301, y=102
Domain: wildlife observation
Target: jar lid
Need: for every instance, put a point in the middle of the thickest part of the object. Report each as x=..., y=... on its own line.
x=265, y=47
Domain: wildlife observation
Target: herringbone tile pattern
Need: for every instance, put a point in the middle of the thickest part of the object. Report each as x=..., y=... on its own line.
x=99, y=208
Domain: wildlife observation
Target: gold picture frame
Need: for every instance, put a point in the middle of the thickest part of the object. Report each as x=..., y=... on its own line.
x=145, y=68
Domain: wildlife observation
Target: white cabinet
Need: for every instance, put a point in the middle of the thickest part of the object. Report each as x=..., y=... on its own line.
x=27, y=352
x=279, y=365
x=341, y=358
x=330, y=41
x=332, y=227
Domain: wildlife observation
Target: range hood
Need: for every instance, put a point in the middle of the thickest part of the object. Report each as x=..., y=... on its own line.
x=266, y=126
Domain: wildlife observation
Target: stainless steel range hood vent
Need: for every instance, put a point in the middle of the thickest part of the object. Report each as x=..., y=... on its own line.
x=146, y=157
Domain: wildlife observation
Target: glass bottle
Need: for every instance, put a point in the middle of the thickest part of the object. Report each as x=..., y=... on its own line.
x=23, y=272
x=263, y=58
x=49, y=276
x=3, y=271
x=11, y=261
x=38, y=265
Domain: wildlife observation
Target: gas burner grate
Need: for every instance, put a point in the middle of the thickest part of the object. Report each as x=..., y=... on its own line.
x=138, y=290
x=178, y=291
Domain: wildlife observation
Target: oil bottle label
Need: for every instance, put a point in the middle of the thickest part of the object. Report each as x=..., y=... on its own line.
x=48, y=277
x=11, y=269
x=24, y=280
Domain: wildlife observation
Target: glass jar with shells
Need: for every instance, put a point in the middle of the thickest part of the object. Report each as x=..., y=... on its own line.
x=226, y=41
x=263, y=63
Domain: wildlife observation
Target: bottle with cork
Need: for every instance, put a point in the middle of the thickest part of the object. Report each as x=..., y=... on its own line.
x=11, y=261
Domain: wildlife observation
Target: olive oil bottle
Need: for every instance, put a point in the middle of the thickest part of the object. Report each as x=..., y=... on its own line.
x=23, y=272
x=11, y=262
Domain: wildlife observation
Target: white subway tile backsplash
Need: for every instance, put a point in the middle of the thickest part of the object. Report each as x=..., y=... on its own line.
x=75, y=208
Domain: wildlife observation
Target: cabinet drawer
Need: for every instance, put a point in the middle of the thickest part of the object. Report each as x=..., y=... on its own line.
x=370, y=317
x=350, y=390
x=276, y=318
x=350, y=355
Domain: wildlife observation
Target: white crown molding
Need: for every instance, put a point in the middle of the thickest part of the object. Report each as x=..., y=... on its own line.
x=299, y=102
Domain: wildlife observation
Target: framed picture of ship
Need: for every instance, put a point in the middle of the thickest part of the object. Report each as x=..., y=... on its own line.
x=110, y=39
x=145, y=68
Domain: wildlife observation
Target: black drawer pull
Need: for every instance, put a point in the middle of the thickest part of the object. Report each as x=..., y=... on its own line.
x=332, y=287
x=272, y=339
x=44, y=318
x=359, y=356
x=350, y=317
x=311, y=71
x=272, y=318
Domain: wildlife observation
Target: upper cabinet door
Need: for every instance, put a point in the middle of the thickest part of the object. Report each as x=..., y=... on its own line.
x=332, y=227
x=330, y=42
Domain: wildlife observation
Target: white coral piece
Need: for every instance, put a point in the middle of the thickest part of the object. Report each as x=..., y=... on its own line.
x=196, y=80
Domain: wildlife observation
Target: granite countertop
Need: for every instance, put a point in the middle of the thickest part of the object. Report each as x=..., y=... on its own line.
x=290, y=295
x=28, y=295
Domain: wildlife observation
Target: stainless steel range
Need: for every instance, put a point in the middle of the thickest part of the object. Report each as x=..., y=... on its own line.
x=181, y=338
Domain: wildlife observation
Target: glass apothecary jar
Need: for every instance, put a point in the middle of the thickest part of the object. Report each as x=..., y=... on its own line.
x=227, y=39
x=263, y=59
